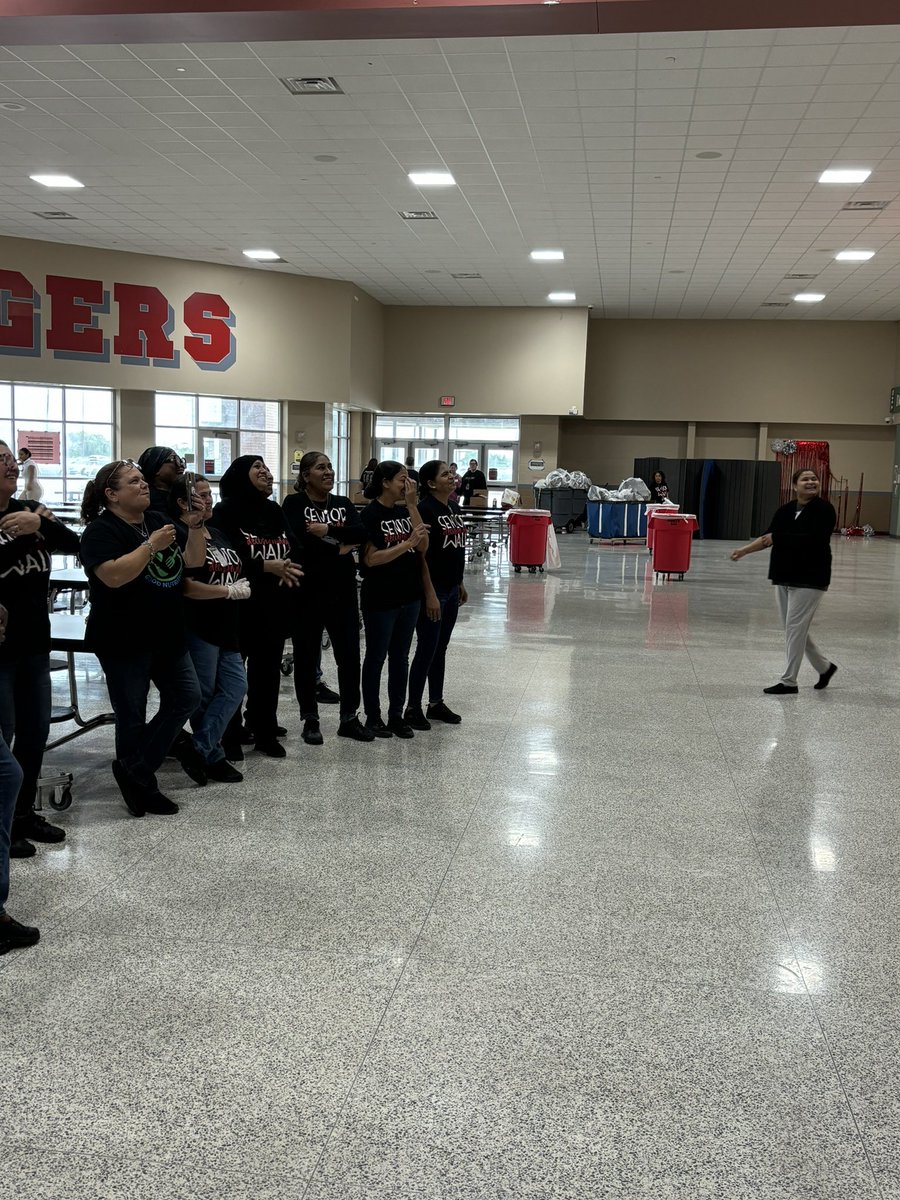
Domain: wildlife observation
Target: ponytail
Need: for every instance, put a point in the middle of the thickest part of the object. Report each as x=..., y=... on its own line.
x=90, y=502
x=93, y=501
x=384, y=473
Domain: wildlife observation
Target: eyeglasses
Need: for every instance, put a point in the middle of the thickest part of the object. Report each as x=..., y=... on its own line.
x=176, y=459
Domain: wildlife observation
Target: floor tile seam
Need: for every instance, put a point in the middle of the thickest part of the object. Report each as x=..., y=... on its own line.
x=402, y=972
x=782, y=918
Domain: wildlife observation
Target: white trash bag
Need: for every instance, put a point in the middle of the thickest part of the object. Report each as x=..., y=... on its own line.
x=636, y=486
x=553, y=561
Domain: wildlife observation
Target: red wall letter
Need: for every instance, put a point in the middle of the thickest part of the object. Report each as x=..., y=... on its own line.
x=208, y=316
x=146, y=323
x=74, y=304
x=20, y=320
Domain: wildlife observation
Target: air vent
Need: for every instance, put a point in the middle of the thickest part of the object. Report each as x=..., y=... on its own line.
x=800, y=275
x=56, y=216
x=313, y=85
x=411, y=214
x=465, y=275
x=774, y=304
x=865, y=205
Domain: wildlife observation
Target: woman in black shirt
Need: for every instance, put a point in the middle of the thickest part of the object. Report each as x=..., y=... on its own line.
x=136, y=624
x=659, y=489
x=328, y=529
x=368, y=474
x=212, y=622
x=393, y=568
x=444, y=592
x=29, y=534
x=800, y=568
x=257, y=528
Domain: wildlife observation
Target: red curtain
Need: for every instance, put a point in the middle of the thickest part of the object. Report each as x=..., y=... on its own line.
x=809, y=456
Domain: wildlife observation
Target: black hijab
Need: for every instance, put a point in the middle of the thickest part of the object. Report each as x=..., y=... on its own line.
x=152, y=461
x=235, y=485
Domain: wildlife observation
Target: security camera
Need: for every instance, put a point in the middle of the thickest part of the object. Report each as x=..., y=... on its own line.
x=888, y=420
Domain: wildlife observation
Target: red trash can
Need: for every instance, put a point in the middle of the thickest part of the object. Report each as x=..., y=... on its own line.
x=672, y=544
x=659, y=511
x=528, y=538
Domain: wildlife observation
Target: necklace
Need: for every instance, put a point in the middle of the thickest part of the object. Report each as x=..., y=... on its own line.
x=139, y=527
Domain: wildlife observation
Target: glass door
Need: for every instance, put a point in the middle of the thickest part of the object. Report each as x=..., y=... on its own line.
x=391, y=451
x=424, y=452
x=217, y=452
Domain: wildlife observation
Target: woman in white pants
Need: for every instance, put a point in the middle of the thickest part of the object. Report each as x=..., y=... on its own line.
x=800, y=567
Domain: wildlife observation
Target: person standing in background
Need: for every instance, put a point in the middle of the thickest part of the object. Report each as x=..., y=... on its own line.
x=410, y=470
x=31, y=488
x=800, y=568
x=454, y=495
x=160, y=466
x=368, y=474
x=473, y=483
x=659, y=490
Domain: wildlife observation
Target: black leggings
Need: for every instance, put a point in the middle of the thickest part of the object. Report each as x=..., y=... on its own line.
x=263, y=660
x=339, y=615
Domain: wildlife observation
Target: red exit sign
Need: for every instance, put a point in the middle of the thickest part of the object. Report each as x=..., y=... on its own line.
x=447, y=401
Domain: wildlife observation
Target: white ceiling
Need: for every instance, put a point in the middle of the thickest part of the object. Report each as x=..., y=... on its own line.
x=584, y=143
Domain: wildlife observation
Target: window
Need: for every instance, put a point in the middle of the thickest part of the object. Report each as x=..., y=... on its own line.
x=340, y=442
x=492, y=441
x=69, y=431
x=211, y=431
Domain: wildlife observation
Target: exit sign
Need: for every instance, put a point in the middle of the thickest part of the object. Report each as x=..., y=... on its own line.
x=447, y=401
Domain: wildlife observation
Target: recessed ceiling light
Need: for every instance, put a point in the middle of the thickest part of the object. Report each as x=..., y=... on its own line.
x=708, y=154
x=432, y=179
x=57, y=181
x=854, y=255
x=263, y=255
x=181, y=70
x=325, y=157
x=547, y=255
x=809, y=297
x=12, y=106
x=845, y=175
x=560, y=297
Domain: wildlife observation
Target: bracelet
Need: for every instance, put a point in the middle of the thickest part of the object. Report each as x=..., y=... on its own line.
x=146, y=542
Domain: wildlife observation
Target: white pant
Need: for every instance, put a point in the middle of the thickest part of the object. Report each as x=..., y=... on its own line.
x=798, y=607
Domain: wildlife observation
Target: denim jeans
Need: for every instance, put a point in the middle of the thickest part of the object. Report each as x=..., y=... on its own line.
x=25, y=719
x=389, y=634
x=10, y=782
x=430, y=659
x=223, y=684
x=141, y=745
x=340, y=616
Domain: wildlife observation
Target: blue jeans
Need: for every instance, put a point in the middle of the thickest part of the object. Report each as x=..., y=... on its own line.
x=430, y=659
x=141, y=745
x=389, y=634
x=25, y=719
x=223, y=685
x=10, y=782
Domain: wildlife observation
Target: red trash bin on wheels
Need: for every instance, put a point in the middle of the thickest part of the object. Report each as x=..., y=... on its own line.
x=528, y=538
x=663, y=510
x=672, y=544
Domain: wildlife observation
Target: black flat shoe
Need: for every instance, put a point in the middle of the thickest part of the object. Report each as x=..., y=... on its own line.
x=20, y=847
x=416, y=719
x=280, y=731
x=160, y=805
x=825, y=678
x=440, y=712
x=37, y=829
x=781, y=689
x=192, y=763
x=325, y=695
x=312, y=734
x=353, y=729
x=132, y=792
x=399, y=728
x=271, y=749
x=223, y=772
x=234, y=752
x=377, y=728
x=16, y=936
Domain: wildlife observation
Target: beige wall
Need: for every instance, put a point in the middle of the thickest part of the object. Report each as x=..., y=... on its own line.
x=722, y=440
x=137, y=424
x=366, y=352
x=493, y=360
x=293, y=334
x=839, y=372
x=606, y=450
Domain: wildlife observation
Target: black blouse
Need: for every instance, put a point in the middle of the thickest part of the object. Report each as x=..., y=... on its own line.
x=801, y=544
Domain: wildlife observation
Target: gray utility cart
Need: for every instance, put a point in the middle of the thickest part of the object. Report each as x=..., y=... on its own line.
x=566, y=506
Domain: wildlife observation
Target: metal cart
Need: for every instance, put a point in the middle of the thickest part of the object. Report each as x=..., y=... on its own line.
x=566, y=506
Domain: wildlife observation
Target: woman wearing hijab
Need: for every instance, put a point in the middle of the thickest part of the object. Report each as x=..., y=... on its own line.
x=258, y=530
x=136, y=624
x=160, y=466
x=328, y=528
x=29, y=534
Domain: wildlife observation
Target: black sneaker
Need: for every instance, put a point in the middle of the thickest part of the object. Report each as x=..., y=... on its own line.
x=280, y=731
x=34, y=826
x=271, y=749
x=16, y=936
x=325, y=695
x=223, y=772
x=399, y=727
x=192, y=763
x=825, y=678
x=377, y=727
x=159, y=805
x=234, y=751
x=416, y=719
x=312, y=734
x=132, y=792
x=781, y=689
x=20, y=847
x=440, y=712
x=354, y=729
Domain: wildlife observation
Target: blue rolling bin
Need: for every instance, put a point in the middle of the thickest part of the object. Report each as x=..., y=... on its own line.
x=617, y=521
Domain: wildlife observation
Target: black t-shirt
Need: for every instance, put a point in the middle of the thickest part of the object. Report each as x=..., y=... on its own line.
x=24, y=582
x=144, y=615
x=366, y=477
x=326, y=571
x=446, y=555
x=159, y=502
x=471, y=482
x=658, y=493
x=216, y=621
x=801, y=544
x=396, y=582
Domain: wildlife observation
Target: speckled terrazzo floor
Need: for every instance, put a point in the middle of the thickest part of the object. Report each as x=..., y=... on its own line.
x=630, y=931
